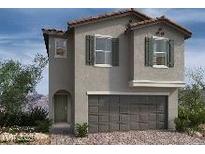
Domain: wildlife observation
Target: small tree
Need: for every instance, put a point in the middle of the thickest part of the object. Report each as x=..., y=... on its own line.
x=191, y=103
x=17, y=80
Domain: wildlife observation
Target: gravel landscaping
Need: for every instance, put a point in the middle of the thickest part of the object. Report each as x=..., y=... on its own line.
x=131, y=137
x=24, y=138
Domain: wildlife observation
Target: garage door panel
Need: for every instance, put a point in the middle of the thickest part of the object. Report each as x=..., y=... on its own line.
x=143, y=126
x=124, y=118
x=103, y=127
x=152, y=107
x=93, y=101
x=103, y=118
x=134, y=118
x=114, y=109
x=93, y=109
x=143, y=117
x=93, y=119
x=134, y=125
x=161, y=117
x=124, y=108
x=114, y=117
x=93, y=128
x=114, y=126
x=152, y=117
x=160, y=125
x=152, y=125
x=124, y=127
x=134, y=109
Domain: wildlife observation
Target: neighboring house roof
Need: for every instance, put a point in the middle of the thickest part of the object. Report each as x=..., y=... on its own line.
x=162, y=19
x=50, y=32
x=116, y=14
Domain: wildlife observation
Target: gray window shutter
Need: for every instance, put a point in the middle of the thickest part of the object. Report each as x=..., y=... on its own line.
x=148, y=51
x=89, y=50
x=171, y=53
x=115, y=51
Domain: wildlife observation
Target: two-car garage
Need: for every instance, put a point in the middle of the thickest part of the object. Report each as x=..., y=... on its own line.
x=126, y=112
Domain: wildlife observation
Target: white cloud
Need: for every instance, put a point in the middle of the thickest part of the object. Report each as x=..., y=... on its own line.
x=195, y=53
x=179, y=15
x=154, y=12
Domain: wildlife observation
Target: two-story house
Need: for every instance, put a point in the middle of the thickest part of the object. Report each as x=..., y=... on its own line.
x=118, y=71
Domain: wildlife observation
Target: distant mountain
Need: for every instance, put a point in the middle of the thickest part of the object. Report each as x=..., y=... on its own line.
x=37, y=100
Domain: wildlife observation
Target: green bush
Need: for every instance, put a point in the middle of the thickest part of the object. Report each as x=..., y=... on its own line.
x=23, y=118
x=181, y=124
x=37, y=114
x=43, y=125
x=191, y=112
x=9, y=119
x=81, y=130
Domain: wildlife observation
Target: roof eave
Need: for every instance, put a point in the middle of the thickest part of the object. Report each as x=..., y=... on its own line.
x=76, y=23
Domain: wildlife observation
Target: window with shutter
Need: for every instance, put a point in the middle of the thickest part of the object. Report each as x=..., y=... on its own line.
x=159, y=52
x=102, y=50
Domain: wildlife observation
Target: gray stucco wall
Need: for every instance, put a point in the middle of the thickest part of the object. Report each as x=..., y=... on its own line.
x=91, y=78
x=141, y=72
x=61, y=72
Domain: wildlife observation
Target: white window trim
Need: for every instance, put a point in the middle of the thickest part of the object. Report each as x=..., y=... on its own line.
x=160, y=38
x=101, y=36
x=160, y=66
x=151, y=83
x=58, y=56
x=126, y=93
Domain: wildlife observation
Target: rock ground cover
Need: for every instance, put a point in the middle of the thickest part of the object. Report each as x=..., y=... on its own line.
x=131, y=137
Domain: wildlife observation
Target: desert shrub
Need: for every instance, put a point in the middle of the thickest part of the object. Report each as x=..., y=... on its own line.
x=38, y=114
x=23, y=118
x=43, y=125
x=191, y=112
x=23, y=139
x=10, y=119
x=81, y=130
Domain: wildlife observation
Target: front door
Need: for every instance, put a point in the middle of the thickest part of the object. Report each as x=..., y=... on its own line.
x=60, y=108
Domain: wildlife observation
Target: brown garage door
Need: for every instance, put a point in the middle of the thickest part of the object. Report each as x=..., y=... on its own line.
x=114, y=113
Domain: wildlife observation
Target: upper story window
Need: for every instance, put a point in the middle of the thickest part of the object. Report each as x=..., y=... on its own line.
x=103, y=50
x=60, y=48
x=159, y=52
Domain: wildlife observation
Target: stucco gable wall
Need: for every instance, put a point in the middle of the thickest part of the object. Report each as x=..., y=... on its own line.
x=149, y=73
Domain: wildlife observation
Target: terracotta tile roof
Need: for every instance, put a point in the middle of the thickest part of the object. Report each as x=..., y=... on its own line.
x=107, y=15
x=53, y=31
x=161, y=19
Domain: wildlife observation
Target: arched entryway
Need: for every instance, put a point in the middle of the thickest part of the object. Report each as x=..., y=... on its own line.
x=62, y=107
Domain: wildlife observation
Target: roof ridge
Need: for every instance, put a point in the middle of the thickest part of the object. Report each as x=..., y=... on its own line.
x=73, y=23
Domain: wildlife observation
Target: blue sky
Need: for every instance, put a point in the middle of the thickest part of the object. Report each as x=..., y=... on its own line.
x=21, y=37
